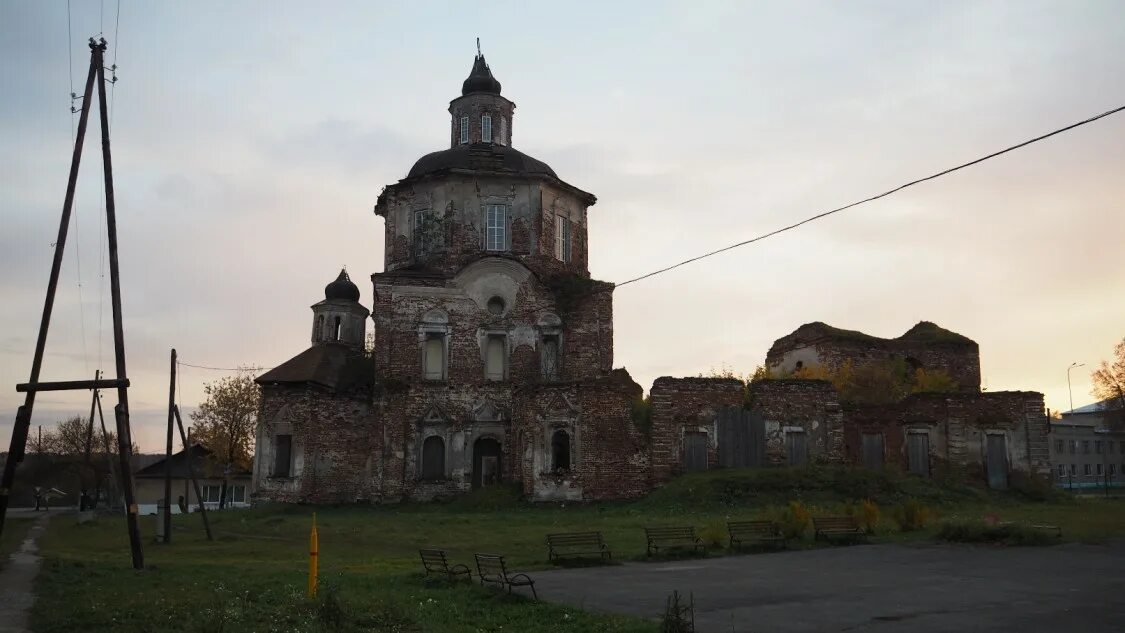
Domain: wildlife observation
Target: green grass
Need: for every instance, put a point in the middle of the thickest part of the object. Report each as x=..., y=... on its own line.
x=252, y=577
x=15, y=530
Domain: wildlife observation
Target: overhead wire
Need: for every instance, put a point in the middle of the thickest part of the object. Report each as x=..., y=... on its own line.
x=875, y=197
x=77, y=235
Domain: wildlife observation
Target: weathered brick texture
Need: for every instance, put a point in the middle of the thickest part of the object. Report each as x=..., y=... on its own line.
x=687, y=404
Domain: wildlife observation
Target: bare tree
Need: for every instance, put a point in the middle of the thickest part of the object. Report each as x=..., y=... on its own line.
x=82, y=453
x=1109, y=384
x=225, y=422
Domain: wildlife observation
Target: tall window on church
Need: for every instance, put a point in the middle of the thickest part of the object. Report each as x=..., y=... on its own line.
x=562, y=238
x=503, y=130
x=560, y=450
x=318, y=335
x=433, y=357
x=551, y=356
x=464, y=130
x=496, y=227
x=495, y=357
x=433, y=458
x=486, y=128
x=337, y=329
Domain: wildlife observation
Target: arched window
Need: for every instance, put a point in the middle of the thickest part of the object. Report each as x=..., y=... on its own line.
x=336, y=329
x=560, y=450
x=433, y=458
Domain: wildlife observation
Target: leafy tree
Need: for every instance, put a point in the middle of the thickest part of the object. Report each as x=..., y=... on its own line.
x=1109, y=384
x=225, y=422
x=69, y=445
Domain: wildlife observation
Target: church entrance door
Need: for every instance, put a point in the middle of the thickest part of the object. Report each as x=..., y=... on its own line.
x=486, y=462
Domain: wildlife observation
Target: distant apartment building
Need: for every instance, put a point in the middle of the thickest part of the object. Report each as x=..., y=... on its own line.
x=1086, y=451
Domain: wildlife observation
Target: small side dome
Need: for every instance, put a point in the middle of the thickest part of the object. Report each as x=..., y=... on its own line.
x=480, y=79
x=342, y=288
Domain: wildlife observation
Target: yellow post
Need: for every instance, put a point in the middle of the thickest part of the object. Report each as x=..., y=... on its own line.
x=314, y=547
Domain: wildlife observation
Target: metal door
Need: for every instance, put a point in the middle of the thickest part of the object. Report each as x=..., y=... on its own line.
x=918, y=453
x=795, y=447
x=997, y=462
x=742, y=438
x=695, y=451
x=873, y=450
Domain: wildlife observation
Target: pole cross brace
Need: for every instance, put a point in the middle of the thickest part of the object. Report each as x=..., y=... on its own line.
x=73, y=385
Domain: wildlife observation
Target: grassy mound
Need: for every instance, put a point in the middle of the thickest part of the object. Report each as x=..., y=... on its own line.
x=813, y=484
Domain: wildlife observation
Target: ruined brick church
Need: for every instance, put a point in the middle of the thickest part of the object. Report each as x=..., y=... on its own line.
x=492, y=358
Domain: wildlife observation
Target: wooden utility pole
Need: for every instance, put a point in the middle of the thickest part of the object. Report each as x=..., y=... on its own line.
x=121, y=382
x=191, y=473
x=89, y=440
x=166, y=516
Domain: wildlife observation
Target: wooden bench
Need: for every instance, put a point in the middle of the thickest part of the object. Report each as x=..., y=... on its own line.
x=435, y=562
x=491, y=569
x=1049, y=529
x=572, y=544
x=761, y=531
x=845, y=527
x=672, y=537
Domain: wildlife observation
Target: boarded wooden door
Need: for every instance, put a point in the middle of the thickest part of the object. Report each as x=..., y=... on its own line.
x=997, y=462
x=918, y=453
x=695, y=451
x=742, y=438
x=873, y=450
x=796, y=448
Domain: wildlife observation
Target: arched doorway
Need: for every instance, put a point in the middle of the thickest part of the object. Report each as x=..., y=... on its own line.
x=486, y=462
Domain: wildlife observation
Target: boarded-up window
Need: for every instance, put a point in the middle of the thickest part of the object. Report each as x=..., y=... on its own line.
x=918, y=453
x=433, y=458
x=796, y=448
x=695, y=451
x=494, y=358
x=998, y=462
x=873, y=450
x=560, y=450
x=550, y=357
x=282, y=455
x=434, y=357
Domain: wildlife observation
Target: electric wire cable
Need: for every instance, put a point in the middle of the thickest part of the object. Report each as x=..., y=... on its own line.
x=875, y=197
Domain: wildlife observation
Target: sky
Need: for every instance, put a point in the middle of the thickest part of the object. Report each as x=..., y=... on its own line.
x=251, y=139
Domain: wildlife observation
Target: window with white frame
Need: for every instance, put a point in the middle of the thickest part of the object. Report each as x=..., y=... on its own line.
x=1058, y=446
x=1062, y=470
x=423, y=238
x=496, y=227
x=1086, y=469
x=211, y=494
x=1099, y=469
x=562, y=238
x=464, y=130
x=503, y=131
x=1074, y=469
x=486, y=128
x=1112, y=468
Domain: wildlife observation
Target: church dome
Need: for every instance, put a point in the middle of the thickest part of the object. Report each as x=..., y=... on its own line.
x=480, y=79
x=342, y=289
x=481, y=157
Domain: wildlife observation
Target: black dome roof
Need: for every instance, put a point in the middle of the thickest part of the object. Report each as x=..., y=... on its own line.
x=481, y=157
x=342, y=288
x=480, y=79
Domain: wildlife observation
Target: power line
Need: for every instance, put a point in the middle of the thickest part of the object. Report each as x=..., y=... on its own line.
x=221, y=368
x=77, y=235
x=875, y=197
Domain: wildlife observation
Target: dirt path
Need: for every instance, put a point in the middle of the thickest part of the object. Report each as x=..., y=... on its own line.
x=17, y=581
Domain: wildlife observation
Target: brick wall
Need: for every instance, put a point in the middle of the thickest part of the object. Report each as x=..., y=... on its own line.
x=809, y=406
x=687, y=404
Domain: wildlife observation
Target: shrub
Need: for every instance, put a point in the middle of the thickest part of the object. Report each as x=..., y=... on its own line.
x=976, y=531
x=792, y=520
x=912, y=515
x=714, y=534
x=679, y=615
x=866, y=514
x=1034, y=487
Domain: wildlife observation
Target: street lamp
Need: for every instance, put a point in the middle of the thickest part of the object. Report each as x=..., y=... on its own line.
x=1068, y=389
